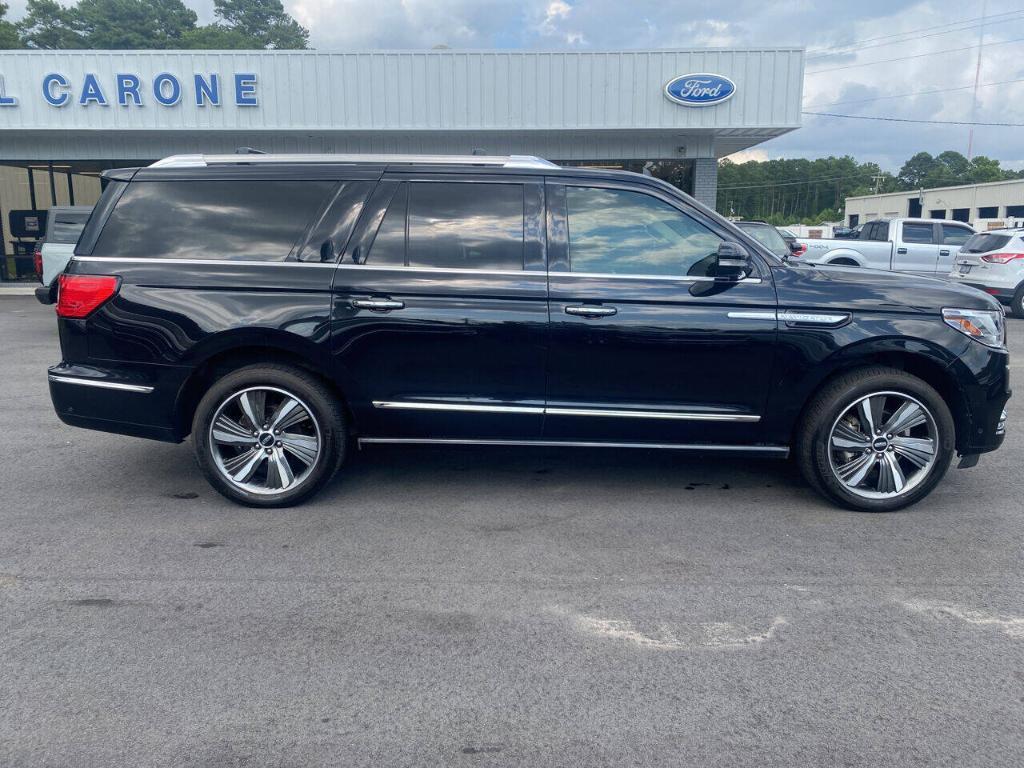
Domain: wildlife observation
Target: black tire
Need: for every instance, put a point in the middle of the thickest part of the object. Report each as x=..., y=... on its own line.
x=814, y=436
x=1017, y=303
x=325, y=423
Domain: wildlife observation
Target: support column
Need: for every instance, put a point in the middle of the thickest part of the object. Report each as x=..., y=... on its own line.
x=705, y=180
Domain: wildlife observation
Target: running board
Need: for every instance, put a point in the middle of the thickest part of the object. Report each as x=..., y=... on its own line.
x=779, y=451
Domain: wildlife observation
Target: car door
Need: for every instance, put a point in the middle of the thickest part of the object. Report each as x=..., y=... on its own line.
x=951, y=239
x=439, y=325
x=646, y=346
x=917, y=248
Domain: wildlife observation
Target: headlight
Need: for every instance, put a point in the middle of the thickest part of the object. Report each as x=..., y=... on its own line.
x=982, y=325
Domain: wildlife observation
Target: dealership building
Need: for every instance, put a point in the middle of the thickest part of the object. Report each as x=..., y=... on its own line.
x=65, y=116
x=990, y=205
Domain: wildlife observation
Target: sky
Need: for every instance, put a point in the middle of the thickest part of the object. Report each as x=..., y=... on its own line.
x=858, y=37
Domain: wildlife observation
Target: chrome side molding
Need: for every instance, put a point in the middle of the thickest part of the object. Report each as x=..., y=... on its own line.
x=140, y=388
x=793, y=317
x=560, y=411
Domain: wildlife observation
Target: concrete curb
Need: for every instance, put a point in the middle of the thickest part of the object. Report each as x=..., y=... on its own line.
x=18, y=290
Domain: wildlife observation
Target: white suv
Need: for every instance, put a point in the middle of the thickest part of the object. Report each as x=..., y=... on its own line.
x=994, y=262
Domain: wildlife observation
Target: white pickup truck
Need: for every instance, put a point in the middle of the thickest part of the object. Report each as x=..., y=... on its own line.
x=923, y=246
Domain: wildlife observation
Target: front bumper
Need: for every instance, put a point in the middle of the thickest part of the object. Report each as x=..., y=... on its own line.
x=983, y=376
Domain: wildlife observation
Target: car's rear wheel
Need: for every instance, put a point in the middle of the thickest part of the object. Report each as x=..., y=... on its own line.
x=269, y=435
x=876, y=439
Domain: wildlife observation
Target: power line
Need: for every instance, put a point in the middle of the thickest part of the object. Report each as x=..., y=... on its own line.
x=821, y=180
x=907, y=37
x=856, y=43
x=916, y=93
x=909, y=120
x=915, y=56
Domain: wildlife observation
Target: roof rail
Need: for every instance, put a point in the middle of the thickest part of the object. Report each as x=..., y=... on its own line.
x=497, y=161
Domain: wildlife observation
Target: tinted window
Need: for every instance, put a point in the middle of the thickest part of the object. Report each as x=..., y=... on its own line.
x=988, y=212
x=767, y=236
x=985, y=242
x=879, y=231
x=465, y=226
x=917, y=233
x=953, y=235
x=388, y=247
x=65, y=227
x=619, y=232
x=258, y=220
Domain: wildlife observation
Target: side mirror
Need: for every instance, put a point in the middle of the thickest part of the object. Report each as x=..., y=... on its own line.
x=795, y=247
x=732, y=261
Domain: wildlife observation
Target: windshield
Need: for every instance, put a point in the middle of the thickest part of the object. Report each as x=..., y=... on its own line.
x=767, y=236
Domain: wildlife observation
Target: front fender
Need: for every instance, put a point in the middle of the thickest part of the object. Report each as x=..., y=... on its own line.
x=807, y=358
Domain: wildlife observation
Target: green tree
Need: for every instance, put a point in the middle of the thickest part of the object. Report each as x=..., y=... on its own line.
x=49, y=25
x=217, y=37
x=916, y=170
x=8, y=32
x=263, y=22
x=129, y=24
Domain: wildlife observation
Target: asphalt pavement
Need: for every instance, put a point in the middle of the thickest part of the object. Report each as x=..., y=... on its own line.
x=493, y=607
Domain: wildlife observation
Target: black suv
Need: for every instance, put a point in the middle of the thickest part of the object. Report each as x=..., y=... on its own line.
x=279, y=307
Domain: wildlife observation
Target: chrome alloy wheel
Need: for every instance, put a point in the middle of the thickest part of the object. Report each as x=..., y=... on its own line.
x=264, y=440
x=883, y=445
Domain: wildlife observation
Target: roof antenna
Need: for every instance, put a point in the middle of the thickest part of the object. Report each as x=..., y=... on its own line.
x=249, y=151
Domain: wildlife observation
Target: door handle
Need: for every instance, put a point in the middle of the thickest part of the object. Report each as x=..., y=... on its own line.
x=590, y=310
x=378, y=305
x=944, y=253
x=901, y=250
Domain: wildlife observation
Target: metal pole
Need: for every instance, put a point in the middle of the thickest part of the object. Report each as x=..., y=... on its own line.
x=53, y=184
x=32, y=188
x=71, y=188
x=977, y=78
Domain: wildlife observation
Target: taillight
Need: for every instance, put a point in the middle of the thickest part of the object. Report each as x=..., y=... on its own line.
x=79, y=295
x=37, y=261
x=1001, y=258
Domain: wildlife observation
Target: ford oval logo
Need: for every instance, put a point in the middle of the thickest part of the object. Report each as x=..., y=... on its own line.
x=700, y=90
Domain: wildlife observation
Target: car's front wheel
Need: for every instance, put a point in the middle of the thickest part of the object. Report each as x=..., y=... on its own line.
x=876, y=439
x=1017, y=303
x=268, y=435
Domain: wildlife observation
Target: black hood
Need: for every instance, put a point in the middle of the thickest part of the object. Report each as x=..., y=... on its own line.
x=854, y=288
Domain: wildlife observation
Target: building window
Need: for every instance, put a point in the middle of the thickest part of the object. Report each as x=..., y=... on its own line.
x=961, y=214
x=1015, y=210
x=937, y=213
x=988, y=212
x=854, y=220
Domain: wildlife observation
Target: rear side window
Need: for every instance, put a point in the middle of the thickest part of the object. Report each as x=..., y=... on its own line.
x=237, y=219
x=954, y=235
x=66, y=227
x=986, y=243
x=452, y=225
x=619, y=232
x=918, y=233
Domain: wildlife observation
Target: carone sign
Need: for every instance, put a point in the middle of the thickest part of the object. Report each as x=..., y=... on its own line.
x=701, y=89
x=165, y=89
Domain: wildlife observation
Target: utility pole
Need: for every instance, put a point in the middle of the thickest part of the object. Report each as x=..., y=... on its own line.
x=977, y=78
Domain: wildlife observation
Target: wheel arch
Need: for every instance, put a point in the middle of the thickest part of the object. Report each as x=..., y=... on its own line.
x=927, y=364
x=237, y=350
